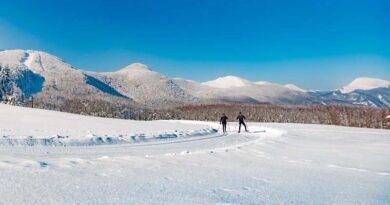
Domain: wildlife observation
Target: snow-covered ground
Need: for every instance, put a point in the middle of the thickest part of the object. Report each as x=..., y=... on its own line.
x=57, y=158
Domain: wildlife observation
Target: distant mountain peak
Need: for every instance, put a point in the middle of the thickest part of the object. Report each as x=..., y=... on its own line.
x=364, y=83
x=40, y=73
x=294, y=87
x=136, y=67
x=228, y=82
x=262, y=83
x=37, y=61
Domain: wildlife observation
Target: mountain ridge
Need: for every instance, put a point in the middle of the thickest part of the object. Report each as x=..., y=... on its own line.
x=40, y=73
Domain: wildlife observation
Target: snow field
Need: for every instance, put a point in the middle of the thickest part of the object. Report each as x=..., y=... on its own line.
x=286, y=164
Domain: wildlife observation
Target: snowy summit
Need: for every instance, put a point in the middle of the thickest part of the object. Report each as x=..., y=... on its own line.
x=228, y=82
x=135, y=67
x=294, y=87
x=45, y=76
x=364, y=83
x=262, y=83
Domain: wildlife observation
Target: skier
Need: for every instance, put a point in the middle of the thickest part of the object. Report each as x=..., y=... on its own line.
x=241, y=119
x=223, y=121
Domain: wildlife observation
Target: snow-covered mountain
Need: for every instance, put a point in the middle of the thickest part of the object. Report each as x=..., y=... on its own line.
x=294, y=87
x=36, y=72
x=25, y=73
x=139, y=82
x=235, y=89
x=378, y=97
x=264, y=93
x=262, y=82
x=228, y=82
x=365, y=84
x=361, y=91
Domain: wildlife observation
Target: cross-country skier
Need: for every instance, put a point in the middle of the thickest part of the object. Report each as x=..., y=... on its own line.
x=241, y=119
x=223, y=121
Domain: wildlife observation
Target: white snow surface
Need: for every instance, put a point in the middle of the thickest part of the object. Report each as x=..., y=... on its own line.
x=135, y=67
x=26, y=126
x=271, y=164
x=228, y=82
x=365, y=83
x=262, y=83
x=233, y=88
x=142, y=84
x=294, y=87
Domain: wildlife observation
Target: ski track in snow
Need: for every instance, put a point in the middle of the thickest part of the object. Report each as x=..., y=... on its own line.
x=92, y=139
x=123, y=147
x=286, y=164
x=192, y=168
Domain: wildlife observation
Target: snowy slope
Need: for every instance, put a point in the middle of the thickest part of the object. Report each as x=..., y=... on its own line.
x=361, y=92
x=236, y=89
x=262, y=83
x=17, y=80
x=139, y=82
x=27, y=126
x=294, y=87
x=365, y=84
x=51, y=76
x=378, y=97
x=267, y=93
x=286, y=164
x=228, y=82
x=203, y=92
x=36, y=73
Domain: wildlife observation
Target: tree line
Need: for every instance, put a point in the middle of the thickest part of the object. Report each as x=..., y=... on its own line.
x=320, y=114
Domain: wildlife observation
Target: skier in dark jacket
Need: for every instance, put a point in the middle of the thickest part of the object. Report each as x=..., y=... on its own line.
x=223, y=121
x=241, y=119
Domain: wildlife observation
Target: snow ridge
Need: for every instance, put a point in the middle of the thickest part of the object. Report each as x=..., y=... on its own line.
x=95, y=139
x=365, y=84
x=228, y=82
x=52, y=78
x=294, y=87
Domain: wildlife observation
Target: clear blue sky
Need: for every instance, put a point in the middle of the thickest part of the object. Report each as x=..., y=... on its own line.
x=314, y=44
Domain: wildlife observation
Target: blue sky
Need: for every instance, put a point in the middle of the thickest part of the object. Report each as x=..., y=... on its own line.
x=314, y=44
